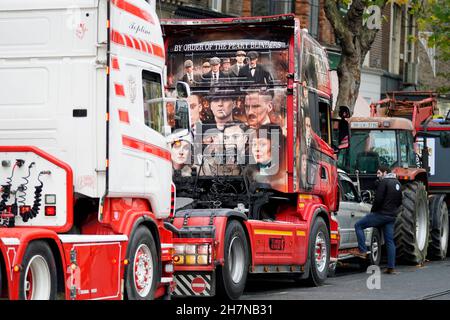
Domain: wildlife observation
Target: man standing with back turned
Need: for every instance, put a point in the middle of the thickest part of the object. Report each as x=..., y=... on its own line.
x=388, y=199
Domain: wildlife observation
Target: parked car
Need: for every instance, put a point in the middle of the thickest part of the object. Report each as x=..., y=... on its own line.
x=352, y=208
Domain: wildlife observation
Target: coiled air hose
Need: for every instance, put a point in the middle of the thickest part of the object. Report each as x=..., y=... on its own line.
x=34, y=211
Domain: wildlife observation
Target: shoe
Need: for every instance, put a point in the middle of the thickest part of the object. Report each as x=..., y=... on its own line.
x=357, y=253
x=389, y=271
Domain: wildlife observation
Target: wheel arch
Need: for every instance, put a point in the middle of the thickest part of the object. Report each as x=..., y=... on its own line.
x=314, y=210
x=411, y=175
x=320, y=212
x=151, y=225
x=422, y=177
x=241, y=220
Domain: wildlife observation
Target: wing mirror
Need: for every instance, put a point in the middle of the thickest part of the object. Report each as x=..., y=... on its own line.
x=183, y=90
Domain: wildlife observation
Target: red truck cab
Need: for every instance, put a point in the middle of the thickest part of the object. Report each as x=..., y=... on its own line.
x=257, y=189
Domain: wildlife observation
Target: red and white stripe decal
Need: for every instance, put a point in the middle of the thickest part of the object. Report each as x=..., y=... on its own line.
x=134, y=10
x=116, y=37
x=128, y=41
x=94, y=238
x=124, y=117
x=138, y=44
x=10, y=241
x=145, y=47
x=11, y=254
x=145, y=147
x=166, y=279
x=115, y=63
x=120, y=90
x=158, y=51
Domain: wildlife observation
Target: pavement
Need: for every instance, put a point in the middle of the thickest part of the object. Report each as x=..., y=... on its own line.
x=428, y=282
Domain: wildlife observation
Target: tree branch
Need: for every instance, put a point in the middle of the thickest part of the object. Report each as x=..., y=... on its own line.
x=354, y=17
x=367, y=38
x=339, y=25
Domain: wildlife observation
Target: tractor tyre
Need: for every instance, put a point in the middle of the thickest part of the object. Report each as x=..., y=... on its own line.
x=412, y=225
x=438, y=246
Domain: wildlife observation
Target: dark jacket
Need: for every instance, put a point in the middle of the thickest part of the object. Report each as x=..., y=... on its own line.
x=235, y=70
x=262, y=76
x=388, y=197
x=223, y=78
x=344, y=131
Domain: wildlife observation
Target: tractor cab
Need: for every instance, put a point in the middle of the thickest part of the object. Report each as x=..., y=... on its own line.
x=377, y=142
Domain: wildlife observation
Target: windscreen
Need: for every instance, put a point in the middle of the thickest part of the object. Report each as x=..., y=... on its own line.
x=237, y=104
x=369, y=150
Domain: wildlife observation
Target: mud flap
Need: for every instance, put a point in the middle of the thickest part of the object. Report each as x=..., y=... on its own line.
x=199, y=284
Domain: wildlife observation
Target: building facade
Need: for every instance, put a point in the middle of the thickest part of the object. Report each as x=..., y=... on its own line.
x=393, y=63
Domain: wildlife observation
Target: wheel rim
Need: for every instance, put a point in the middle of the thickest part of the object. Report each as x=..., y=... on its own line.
x=321, y=252
x=236, y=258
x=444, y=232
x=421, y=226
x=37, y=284
x=143, y=270
x=375, y=249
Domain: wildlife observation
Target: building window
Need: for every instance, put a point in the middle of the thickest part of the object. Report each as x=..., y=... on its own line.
x=233, y=7
x=314, y=18
x=396, y=32
x=271, y=7
x=216, y=5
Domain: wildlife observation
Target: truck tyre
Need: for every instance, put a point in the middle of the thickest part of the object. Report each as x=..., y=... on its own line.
x=38, y=279
x=232, y=276
x=412, y=225
x=319, y=253
x=142, y=272
x=438, y=246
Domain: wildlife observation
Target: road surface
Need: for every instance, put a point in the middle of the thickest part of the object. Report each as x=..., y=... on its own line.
x=431, y=281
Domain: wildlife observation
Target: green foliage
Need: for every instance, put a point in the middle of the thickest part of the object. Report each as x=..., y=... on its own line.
x=434, y=16
x=431, y=15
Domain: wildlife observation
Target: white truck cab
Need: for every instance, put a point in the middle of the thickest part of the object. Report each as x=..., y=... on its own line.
x=83, y=117
x=59, y=94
